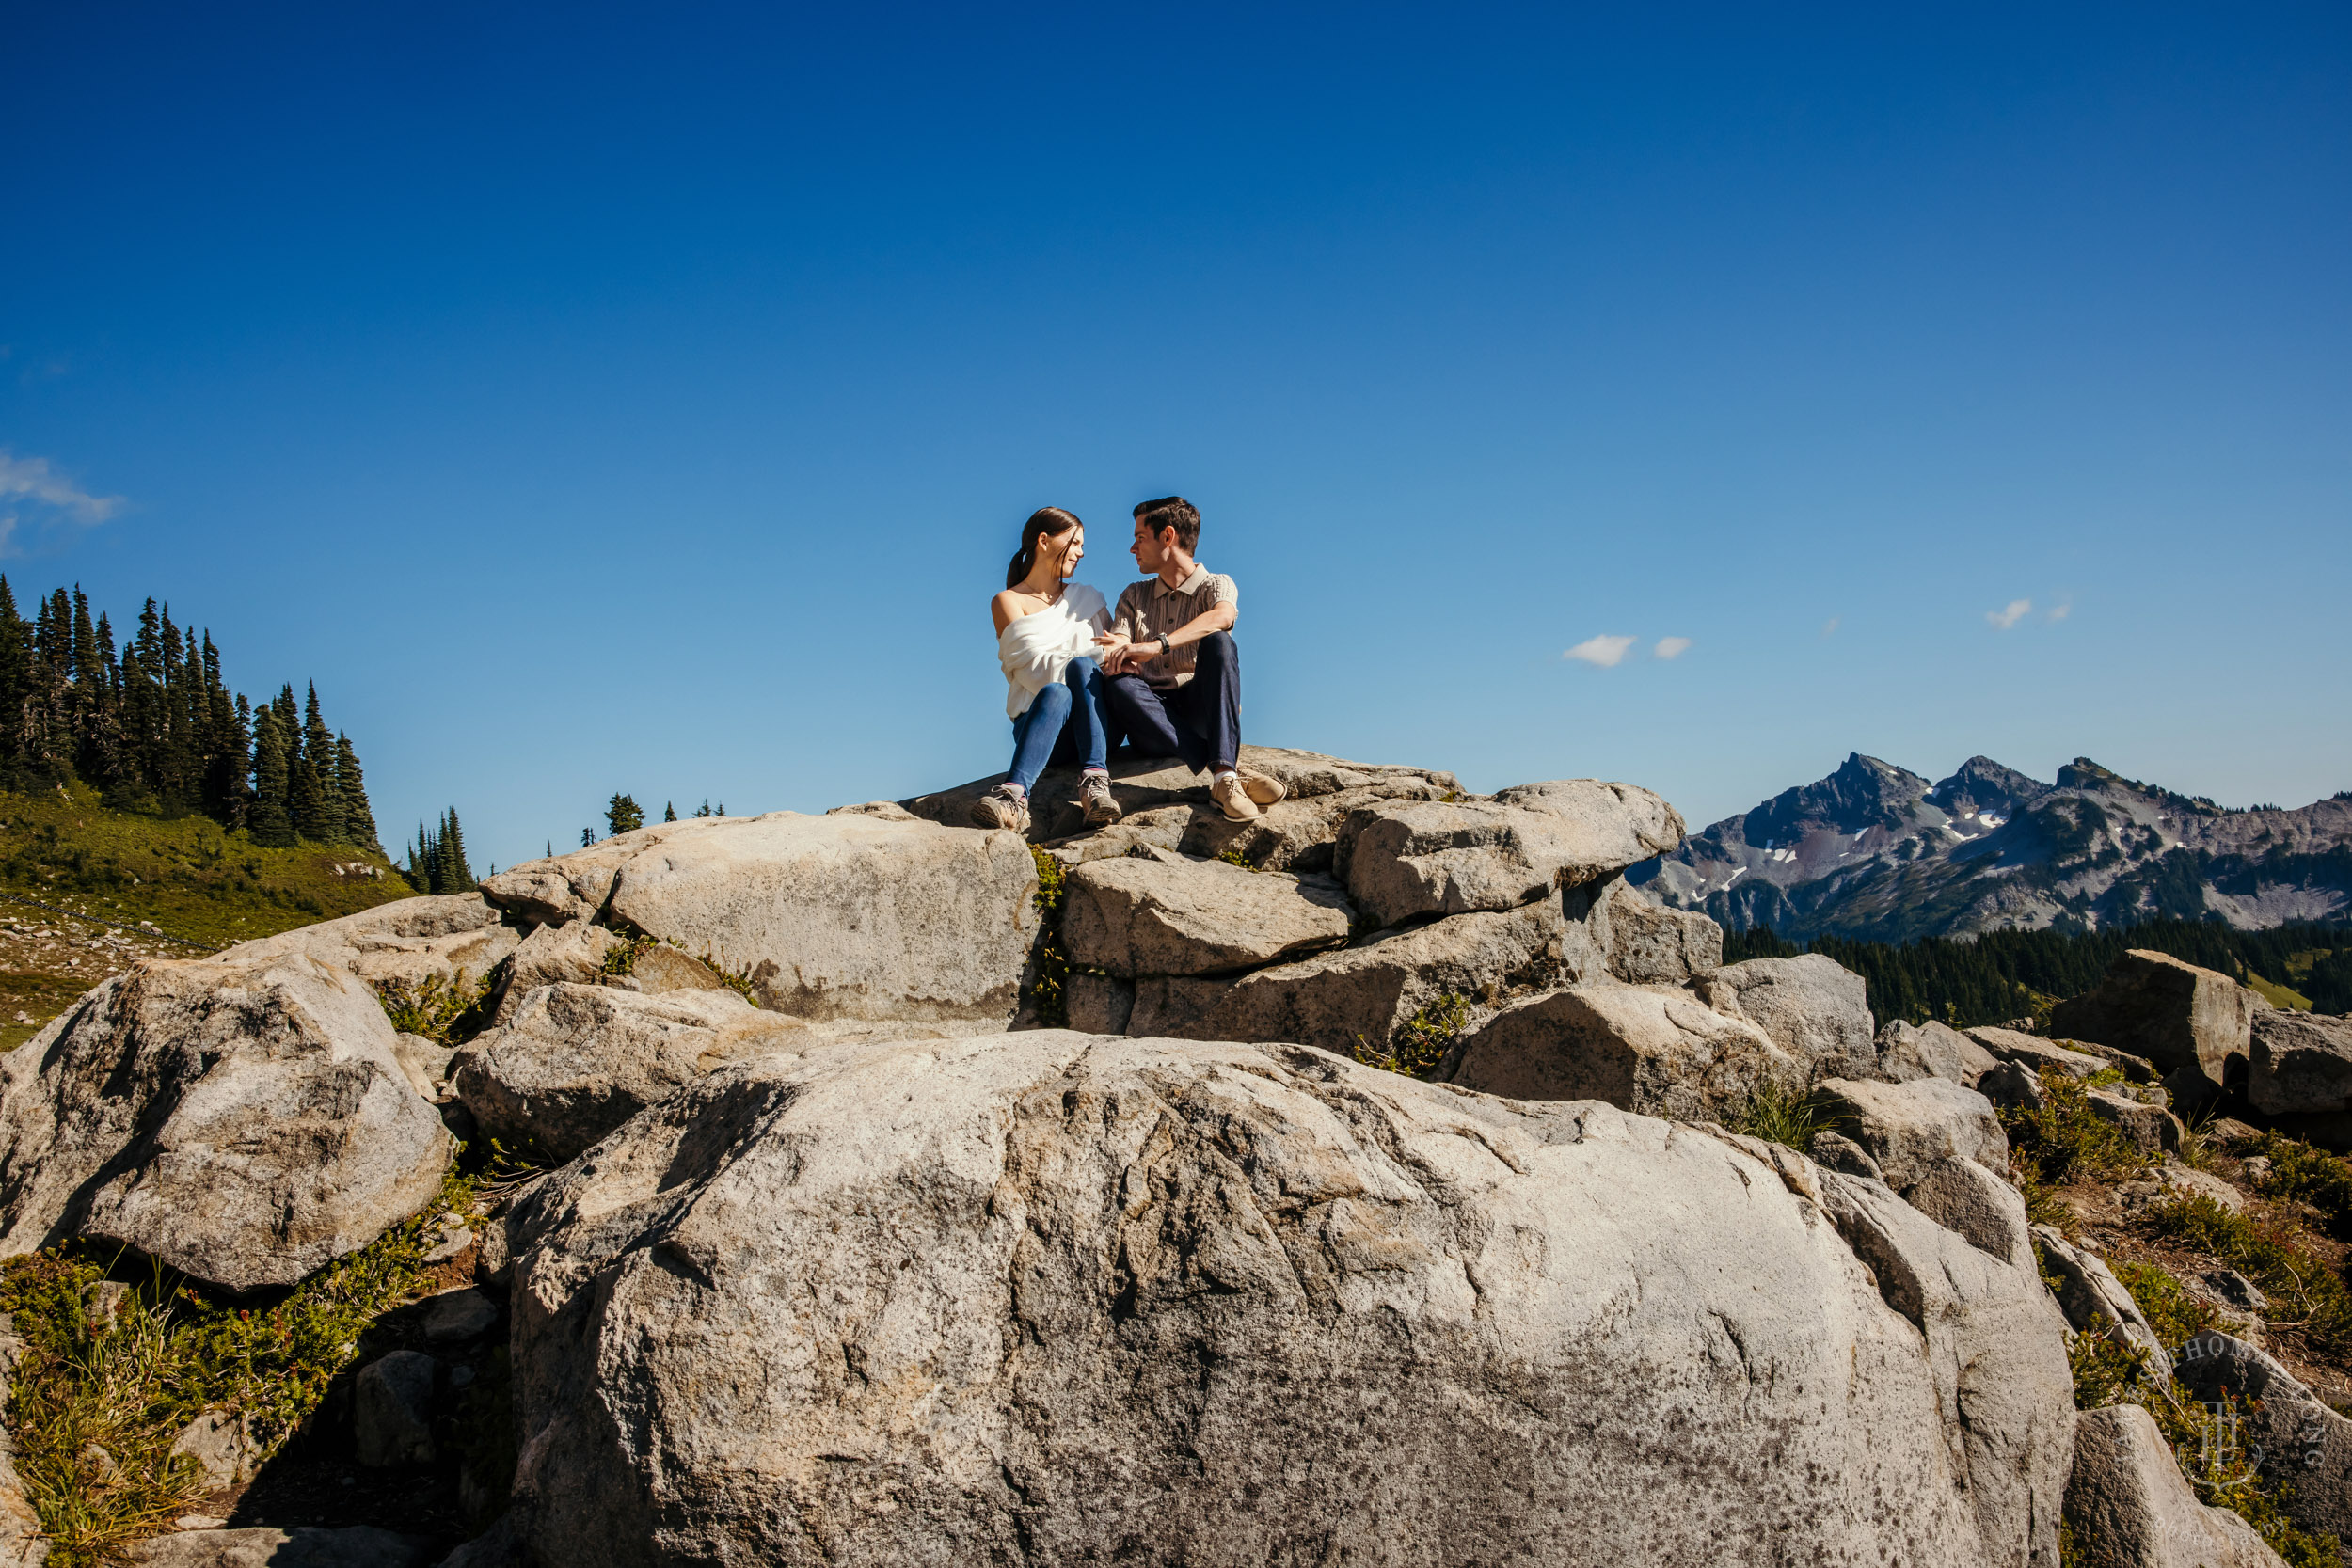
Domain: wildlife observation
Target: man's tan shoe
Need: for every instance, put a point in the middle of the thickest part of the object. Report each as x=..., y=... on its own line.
x=1002, y=807
x=1263, y=788
x=1094, y=794
x=1232, y=796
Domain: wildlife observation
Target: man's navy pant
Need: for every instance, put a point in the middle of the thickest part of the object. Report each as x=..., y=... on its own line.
x=1199, y=720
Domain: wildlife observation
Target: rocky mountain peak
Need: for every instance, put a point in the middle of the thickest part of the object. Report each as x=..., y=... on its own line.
x=1982, y=787
x=1864, y=793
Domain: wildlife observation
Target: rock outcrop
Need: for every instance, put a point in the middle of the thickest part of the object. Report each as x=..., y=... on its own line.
x=2186, y=1020
x=1406, y=859
x=2293, y=1427
x=2130, y=1507
x=1065, y=1298
x=2300, y=1063
x=1658, y=1053
x=1909, y=1129
x=1135, y=916
x=242, y=1122
x=457, y=939
x=1810, y=1006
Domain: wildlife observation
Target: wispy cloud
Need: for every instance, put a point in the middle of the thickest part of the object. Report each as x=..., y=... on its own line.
x=2060, y=611
x=34, y=478
x=1606, y=652
x=2009, y=614
x=1672, y=647
x=1828, y=628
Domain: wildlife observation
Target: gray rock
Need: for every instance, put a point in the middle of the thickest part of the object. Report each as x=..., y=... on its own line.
x=1658, y=1053
x=2033, y=1052
x=499, y=1547
x=423, y=1063
x=448, y=1236
x=1231, y=1305
x=2297, y=1430
x=889, y=811
x=846, y=917
x=2094, y=1301
x=1297, y=834
x=103, y=1302
x=1132, y=916
x=1911, y=1127
x=243, y=1124
x=1970, y=1202
x=391, y=1409
x=1912, y=1051
x=457, y=939
x=577, y=1061
x=2130, y=1507
x=2299, y=1063
x=1836, y=1151
x=1406, y=859
x=1647, y=944
x=1368, y=991
x=2151, y=1128
x=1810, y=1006
x=659, y=970
x=1098, y=1003
x=220, y=1446
x=2013, y=1084
x=571, y=952
x=360, y=1547
x=2181, y=1017
x=574, y=886
x=454, y=1317
x=1163, y=828
x=22, y=1542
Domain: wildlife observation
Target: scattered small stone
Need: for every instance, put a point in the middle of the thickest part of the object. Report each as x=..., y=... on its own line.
x=460, y=1376
x=448, y=1236
x=102, y=1302
x=198, y=1521
x=392, y=1410
x=2257, y=1169
x=2236, y=1288
x=457, y=1315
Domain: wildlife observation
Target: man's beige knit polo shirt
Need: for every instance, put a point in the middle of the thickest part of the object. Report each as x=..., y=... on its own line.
x=1150, y=608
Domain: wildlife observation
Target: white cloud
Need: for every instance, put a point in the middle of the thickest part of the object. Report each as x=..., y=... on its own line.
x=1606, y=652
x=2060, y=611
x=2009, y=614
x=34, y=478
x=1672, y=647
x=1828, y=628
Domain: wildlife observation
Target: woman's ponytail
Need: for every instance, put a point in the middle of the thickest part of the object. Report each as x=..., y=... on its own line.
x=1047, y=522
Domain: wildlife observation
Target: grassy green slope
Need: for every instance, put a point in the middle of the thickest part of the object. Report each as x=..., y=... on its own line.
x=184, y=876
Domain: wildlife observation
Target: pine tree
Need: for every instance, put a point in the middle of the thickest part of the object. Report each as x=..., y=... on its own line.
x=455, y=875
x=359, y=821
x=272, y=819
x=623, y=815
x=668, y=812
x=16, y=672
x=325, y=821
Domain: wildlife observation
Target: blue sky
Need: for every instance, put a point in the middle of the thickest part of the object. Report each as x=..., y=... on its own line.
x=646, y=398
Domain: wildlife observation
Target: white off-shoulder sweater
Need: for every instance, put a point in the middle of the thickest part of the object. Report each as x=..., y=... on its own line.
x=1037, y=649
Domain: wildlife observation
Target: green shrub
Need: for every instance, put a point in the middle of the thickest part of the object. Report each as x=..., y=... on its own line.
x=169, y=1354
x=2306, y=1297
x=2301, y=1174
x=2065, y=1141
x=1049, y=991
x=1781, y=1116
x=446, y=1012
x=1421, y=1041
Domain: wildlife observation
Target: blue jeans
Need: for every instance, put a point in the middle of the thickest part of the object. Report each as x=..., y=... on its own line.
x=1044, y=734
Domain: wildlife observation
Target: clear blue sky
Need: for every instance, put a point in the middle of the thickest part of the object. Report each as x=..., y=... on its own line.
x=646, y=398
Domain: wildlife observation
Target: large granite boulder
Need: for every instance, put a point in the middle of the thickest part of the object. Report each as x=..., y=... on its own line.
x=1367, y=991
x=2296, y=1430
x=574, y=952
x=1405, y=858
x=1054, y=1298
x=1647, y=944
x=1909, y=1129
x=1811, y=1006
x=1655, y=1052
x=847, y=916
x=242, y=1123
x=1135, y=916
x=2184, y=1018
x=2129, y=1506
x=2299, y=1064
x=456, y=939
x=1297, y=834
x=576, y=1061
x=2033, y=1052
x=1931, y=1049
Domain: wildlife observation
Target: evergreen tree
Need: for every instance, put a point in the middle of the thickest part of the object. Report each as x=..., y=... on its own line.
x=623, y=814
x=454, y=874
x=668, y=812
x=272, y=819
x=318, y=801
x=359, y=821
x=16, y=673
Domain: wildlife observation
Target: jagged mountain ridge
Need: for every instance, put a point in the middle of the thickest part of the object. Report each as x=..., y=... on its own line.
x=1877, y=852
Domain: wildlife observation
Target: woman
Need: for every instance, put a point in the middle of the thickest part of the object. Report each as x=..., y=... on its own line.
x=1046, y=630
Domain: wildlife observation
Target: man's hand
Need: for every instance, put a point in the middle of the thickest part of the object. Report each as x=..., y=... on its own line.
x=1114, y=650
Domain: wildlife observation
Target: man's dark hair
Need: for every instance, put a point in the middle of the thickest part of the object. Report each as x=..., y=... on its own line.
x=1173, y=512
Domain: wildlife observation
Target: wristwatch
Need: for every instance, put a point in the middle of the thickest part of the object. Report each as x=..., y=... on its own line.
x=1164, y=648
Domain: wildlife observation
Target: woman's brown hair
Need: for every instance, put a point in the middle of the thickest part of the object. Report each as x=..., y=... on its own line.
x=1047, y=522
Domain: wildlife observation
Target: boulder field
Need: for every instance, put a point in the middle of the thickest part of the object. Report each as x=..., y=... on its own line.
x=852, y=1254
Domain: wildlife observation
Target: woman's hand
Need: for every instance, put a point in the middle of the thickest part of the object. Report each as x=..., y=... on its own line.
x=1111, y=649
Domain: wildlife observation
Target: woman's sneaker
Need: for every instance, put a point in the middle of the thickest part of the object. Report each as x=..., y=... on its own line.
x=1002, y=807
x=1263, y=788
x=1094, y=793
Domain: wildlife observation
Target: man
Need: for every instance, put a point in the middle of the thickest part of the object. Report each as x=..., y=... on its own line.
x=1173, y=674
